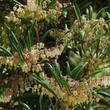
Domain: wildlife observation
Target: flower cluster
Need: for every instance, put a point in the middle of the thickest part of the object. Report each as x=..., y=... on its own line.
x=90, y=40
x=15, y=85
x=87, y=43
x=33, y=11
x=92, y=31
x=62, y=36
x=82, y=92
x=32, y=59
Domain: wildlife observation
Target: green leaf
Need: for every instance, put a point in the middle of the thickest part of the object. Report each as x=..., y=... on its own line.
x=94, y=73
x=100, y=11
x=50, y=4
x=63, y=81
x=56, y=72
x=76, y=72
x=89, y=13
x=14, y=42
x=104, y=93
x=108, y=15
x=84, y=5
x=4, y=52
x=65, y=13
x=16, y=2
x=41, y=102
x=25, y=106
x=77, y=11
x=40, y=81
x=68, y=69
x=39, y=2
x=30, y=36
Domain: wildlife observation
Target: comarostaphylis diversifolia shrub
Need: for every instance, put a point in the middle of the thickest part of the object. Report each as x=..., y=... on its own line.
x=54, y=55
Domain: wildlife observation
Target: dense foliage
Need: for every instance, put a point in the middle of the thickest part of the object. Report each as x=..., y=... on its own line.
x=55, y=55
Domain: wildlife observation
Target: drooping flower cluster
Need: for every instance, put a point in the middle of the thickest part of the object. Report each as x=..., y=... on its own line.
x=82, y=92
x=32, y=59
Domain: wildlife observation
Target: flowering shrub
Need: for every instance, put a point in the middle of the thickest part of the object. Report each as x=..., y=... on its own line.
x=61, y=68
